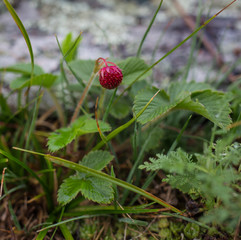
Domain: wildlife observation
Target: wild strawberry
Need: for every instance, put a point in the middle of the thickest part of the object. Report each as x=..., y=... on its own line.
x=110, y=77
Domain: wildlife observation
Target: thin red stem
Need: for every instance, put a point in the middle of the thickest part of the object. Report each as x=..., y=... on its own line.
x=103, y=61
x=112, y=63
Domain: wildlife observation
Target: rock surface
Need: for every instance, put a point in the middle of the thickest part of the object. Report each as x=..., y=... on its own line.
x=122, y=25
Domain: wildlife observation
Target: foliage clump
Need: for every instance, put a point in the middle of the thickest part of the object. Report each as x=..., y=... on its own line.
x=211, y=177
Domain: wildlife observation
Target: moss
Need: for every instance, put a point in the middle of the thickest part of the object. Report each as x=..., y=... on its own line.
x=191, y=230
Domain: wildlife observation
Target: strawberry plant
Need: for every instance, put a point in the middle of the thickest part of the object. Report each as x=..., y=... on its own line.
x=86, y=160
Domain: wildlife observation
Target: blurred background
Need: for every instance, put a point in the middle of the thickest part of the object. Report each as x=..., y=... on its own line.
x=115, y=27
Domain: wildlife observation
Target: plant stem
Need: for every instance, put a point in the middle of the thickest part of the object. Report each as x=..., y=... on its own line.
x=109, y=105
x=124, y=126
x=76, y=112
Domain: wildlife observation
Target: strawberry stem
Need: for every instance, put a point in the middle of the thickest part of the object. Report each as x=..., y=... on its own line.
x=104, y=60
x=112, y=63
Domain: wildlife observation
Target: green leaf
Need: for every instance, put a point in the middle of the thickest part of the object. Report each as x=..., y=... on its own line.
x=83, y=125
x=23, y=31
x=68, y=190
x=96, y=159
x=60, y=138
x=132, y=67
x=91, y=187
x=176, y=161
x=121, y=110
x=66, y=232
x=177, y=89
x=83, y=69
x=67, y=44
x=97, y=190
x=160, y=105
x=23, y=68
x=127, y=124
x=210, y=104
x=133, y=221
x=44, y=80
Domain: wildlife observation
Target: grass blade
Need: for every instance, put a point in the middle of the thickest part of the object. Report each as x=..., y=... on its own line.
x=66, y=232
x=148, y=29
x=12, y=190
x=23, y=31
x=63, y=222
x=100, y=210
x=65, y=55
x=104, y=176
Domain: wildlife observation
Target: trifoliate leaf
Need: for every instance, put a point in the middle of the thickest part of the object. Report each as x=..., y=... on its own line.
x=83, y=125
x=210, y=104
x=96, y=159
x=97, y=190
x=160, y=105
x=68, y=190
x=93, y=188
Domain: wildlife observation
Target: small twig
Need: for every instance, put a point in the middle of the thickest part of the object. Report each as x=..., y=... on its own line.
x=76, y=112
x=237, y=230
x=1, y=188
x=191, y=24
x=149, y=225
x=152, y=234
x=126, y=213
x=45, y=115
x=233, y=125
x=125, y=231
x=46, y=124
x=100, y=232
x=96, y=116
x=13, y=236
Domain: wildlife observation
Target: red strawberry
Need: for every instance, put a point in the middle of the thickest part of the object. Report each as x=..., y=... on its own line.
x=110, y=77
